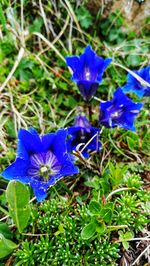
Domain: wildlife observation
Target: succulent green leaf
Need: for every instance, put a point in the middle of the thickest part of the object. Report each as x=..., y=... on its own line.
x=106, y=214
x=88, y=231
x=6, y=246
x=18, y=198
x=100, y=228
x=95, y=207
x=5, y=231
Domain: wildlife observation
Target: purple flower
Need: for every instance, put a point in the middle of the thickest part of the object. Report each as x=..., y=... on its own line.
x=120, y=111
x=136, y=86
x=40, y=161
x=87, y=69
x=81, y=133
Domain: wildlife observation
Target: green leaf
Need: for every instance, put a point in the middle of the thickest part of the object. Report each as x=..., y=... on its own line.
x=111, y=168
x=106, y=214
x=70, y=101
x=109, y=205
x=6, y=246
x=134, y=60
x=2, y=18
x=131, y=143
x=36, y=26
x=125, y=244
x=124, y=237
x=18, y=198
x=5, y=231
x=79, y=200
x=61, y=229
x=94, y=182
x=10, y=128
x=145, y=143
x=24, y=70
x=116, y=173
x=95, y=207
x=100, y=228
x=88, y=231
x=128, y=235
x=84, y=17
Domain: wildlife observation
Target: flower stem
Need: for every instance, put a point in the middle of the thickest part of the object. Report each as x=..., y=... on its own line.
x=90, y=111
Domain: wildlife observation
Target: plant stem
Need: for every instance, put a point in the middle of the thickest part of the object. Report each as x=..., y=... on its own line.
x=119, y=190
x=3, y=210
x=4, y=218
x=90, y=111
x=116, y=227
x=135, y=239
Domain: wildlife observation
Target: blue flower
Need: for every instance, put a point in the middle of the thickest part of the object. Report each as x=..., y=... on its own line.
x=120, y=111
x=136, y=86
x=87, y=69
x=40, y=161
x=81, y=133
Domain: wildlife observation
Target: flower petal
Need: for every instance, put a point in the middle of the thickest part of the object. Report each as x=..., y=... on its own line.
x=47, y=141
x=17, y=170
x=30, y=140
x=137, y=87
x=39, y=189
x=68, y=167
x=87, y=89
x=58, y=146
x=21, y=151
x=120, y=111
x=73, y=62
x=82, y=121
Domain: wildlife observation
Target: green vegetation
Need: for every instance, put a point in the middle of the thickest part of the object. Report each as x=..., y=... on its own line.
x=100, y=216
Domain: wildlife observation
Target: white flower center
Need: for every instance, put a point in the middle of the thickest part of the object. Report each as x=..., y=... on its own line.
x=43, y=169
x=87, y=74
x=115, y=115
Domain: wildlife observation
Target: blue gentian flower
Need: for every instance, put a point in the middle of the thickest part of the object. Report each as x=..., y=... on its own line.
x=40, y=161
x=120, y=111
x=87, y=69
x=136, y=86
x=81, y=133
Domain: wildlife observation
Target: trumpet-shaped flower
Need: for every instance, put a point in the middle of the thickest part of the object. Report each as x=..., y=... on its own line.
x=40, y=161
x=87, y=70
x=120, y=111
x=83, y=134
x=133, y=85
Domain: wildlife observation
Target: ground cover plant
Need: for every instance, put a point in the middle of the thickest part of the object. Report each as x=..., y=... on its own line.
x=74, y=135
